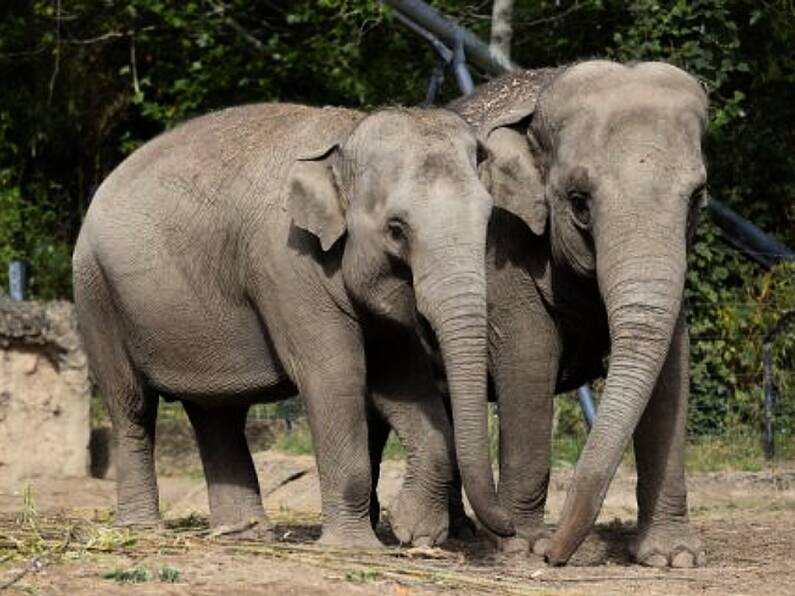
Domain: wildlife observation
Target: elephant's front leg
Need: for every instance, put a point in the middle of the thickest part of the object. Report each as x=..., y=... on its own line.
x=664, y=535
x=524, y=364
x=333, y=387
x=404, y=392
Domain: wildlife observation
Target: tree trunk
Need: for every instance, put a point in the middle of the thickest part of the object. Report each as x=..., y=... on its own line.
x=501, y=30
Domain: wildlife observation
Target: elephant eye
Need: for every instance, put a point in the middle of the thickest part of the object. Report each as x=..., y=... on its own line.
x=580, y=208
x=396, y=230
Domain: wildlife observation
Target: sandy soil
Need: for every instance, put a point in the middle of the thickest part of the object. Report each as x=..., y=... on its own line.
x=746, y=519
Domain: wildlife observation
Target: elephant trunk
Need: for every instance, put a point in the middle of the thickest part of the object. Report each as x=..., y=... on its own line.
x=454, y=304
x=641, y=279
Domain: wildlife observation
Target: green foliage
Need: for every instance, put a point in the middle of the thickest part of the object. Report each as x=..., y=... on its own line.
x=298, y=441
x=131, y=575
x=168, y=575
x=739, y=451
x=139, y=575
x=363, y=576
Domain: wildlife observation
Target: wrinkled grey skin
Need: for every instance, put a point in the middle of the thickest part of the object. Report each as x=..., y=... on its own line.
x=597, y=176
x=272, y=249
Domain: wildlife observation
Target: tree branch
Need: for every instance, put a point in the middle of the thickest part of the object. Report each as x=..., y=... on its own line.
x=57, y=65
x=221, y=9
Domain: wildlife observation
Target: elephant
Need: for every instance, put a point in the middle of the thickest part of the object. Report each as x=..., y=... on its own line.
x=598, y=177
x=267, y=250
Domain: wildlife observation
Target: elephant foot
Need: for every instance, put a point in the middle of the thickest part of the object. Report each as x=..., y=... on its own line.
x=672, y=545
x=338, y=538
x=533, y=539
x=418, y=520
x=255, y=528
x=137, y=521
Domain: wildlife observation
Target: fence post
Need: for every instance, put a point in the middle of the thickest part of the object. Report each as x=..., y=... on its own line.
x=17, y=280
x=585, y=395
x=786, y=321
x=770, y=401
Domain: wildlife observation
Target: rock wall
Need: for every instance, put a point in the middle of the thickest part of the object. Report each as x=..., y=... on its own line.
x=44, y=392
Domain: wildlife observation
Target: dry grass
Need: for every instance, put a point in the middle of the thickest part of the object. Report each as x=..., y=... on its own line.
x=37, y=541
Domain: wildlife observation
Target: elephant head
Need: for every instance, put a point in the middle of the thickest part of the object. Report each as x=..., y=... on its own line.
x=608, y=163
x=402, y=188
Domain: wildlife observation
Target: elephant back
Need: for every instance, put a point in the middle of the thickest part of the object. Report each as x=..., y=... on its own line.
x=506, y=99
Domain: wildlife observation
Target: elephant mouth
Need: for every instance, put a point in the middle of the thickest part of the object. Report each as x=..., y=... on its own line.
x=428, y=338
x=430, y=345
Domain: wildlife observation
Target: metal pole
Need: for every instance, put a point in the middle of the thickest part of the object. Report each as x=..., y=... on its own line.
x=784, y=322
x=750, y=240
x=17, y=280
x=477, y=51
x=462, y=76
x=585, y=396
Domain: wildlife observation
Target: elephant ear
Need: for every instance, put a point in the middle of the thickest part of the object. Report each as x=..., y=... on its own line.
x=513, y=175
x=314, y=200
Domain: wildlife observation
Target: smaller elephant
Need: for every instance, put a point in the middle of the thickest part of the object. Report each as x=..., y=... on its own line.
x=262, y=251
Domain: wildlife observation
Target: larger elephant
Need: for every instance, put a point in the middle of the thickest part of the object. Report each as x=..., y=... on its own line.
x=598, y=176
x=268, y=249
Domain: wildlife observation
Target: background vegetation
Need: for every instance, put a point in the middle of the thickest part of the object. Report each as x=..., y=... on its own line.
x=87, y=81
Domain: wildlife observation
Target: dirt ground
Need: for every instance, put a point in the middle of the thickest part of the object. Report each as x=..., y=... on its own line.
x=63, y=543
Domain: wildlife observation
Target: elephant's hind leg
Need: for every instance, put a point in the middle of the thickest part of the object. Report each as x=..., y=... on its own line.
x=131, y=404
x=232, y=485
x=133, y=411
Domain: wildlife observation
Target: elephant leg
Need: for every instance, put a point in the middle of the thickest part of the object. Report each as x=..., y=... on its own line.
x=131, y=404
x=232, y=485
x=133, y=412
x=524, y=358
x=378, y=432
x=404, y=392
x=335, y=397
x=665, y=537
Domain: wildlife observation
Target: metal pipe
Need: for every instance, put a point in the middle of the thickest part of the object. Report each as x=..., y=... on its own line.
x=462, y=76
x=478, y=52
x=747, y=238
x=445, y=54
x=17, y=280
x=585, y=396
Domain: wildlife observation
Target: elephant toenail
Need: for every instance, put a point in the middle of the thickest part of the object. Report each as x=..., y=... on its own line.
x=656, y=560
x=514, y=545
x=541, y=546
x=683, y=560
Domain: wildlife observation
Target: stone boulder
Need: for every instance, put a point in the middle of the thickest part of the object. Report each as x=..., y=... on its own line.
x=45, y=393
